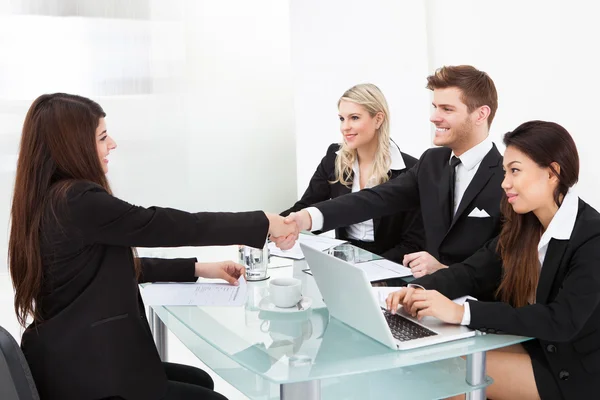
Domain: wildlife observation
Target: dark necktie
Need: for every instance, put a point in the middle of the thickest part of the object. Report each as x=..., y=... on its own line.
x=454, y=161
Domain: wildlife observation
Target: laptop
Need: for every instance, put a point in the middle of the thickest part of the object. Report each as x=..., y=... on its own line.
x=347, y=292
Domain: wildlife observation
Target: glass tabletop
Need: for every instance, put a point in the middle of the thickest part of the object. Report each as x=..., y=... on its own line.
x=434, y=380
x=305, y=345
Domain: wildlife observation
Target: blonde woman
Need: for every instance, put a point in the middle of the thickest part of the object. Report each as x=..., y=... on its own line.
x=366, y=157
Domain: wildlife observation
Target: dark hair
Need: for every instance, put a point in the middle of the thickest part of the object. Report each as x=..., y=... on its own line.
x=58, y=147
x=545, y=143
x=477, y=87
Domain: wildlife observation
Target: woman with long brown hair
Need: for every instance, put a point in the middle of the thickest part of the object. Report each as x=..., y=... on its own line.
x=74, y=269
x=543, y=269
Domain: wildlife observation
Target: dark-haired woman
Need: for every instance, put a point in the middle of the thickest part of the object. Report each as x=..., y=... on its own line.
x=544, y=268
x=74, y=270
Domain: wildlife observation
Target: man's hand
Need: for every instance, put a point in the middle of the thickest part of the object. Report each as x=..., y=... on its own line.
x=422, y=263
x=283, y=233
x=301, y=218
x=227, y=270
x=301, y=221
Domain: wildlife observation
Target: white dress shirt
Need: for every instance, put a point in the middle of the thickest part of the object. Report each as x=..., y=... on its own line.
x=470, y=161
x=363, y=230
x=560, y=228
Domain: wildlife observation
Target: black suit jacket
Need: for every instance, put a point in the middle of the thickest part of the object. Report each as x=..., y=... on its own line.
x=427, y=185
x=566, y=316
x=97, y=343
x=395, y=235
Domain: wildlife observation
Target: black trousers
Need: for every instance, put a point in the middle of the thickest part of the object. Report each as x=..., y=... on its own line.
x=187, y=383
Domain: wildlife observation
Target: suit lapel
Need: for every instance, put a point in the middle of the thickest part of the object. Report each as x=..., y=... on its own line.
x=489, y=166
x=554, y=255
x=343, y=189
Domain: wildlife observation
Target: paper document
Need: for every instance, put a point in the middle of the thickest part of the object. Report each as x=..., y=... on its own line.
x=383, y=269
x=317, y=242
x=294, y=252
x=382, y=292
x=278, y=262
x=195, y=294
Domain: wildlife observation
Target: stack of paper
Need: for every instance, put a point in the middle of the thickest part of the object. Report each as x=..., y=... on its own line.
x=383, y=269
x=318, y=242
x=378, y=270
x=195, y=294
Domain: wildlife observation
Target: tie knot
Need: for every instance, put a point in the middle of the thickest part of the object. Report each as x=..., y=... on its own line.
x=454, y=161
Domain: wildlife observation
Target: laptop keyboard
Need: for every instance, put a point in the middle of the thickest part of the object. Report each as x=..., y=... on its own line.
x=404, y=329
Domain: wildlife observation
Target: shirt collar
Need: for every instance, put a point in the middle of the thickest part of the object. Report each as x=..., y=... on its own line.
x=563, y=221
x=396, y=157
x=397, y=161
x=472, y=157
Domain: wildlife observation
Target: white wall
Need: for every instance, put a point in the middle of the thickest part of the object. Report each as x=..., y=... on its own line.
x=203, y=103
x=542, y=55
x=198, y=96
x=191, y=84
x=339, y=43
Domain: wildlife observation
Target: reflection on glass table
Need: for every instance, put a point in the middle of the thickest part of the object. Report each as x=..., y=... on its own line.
x=306, y=354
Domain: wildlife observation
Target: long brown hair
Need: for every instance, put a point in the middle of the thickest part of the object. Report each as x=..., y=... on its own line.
x=476, y=86
x=58, y=147
x=545, y=143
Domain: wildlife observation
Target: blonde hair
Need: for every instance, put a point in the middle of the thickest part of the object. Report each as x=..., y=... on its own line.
x=370, y=97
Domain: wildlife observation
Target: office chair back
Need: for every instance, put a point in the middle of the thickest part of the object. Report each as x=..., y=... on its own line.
x=16, y=382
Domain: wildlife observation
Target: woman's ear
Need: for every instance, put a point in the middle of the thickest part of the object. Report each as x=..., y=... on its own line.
x=379, y=118
x=554, y=171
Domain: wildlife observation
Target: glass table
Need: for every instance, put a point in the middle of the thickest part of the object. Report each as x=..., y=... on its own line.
x=310, y=355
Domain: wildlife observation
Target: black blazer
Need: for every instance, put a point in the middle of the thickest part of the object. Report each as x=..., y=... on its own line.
x=427, y=185
x=395, y=235
x=566, y=316
x=97, y=342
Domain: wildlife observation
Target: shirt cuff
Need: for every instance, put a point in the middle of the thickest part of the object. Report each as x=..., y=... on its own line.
x=466, y=319
x=317, y=218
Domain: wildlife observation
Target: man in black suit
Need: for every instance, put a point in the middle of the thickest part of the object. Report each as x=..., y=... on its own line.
x=457, y=185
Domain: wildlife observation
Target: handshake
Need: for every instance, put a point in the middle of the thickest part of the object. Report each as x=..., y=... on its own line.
x=284, y=231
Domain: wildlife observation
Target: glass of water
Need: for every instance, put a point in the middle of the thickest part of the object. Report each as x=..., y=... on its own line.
x=346, y=252
x=256, y=262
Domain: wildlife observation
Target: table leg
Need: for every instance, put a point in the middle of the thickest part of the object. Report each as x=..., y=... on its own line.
x=159, y=332
x=476, y=375
x=310, y=390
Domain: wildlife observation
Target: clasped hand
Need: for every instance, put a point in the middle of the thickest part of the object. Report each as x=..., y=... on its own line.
x=421, y=303
x=284, y=231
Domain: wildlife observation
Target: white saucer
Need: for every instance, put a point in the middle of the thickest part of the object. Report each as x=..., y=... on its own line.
x=266, y=305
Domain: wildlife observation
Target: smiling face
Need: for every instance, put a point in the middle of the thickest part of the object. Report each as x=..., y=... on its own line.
x=104, y=144
x=454, y=124
x=529, y=187
x=358, y=127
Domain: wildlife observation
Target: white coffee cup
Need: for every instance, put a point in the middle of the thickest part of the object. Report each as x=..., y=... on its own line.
x=285, y=292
